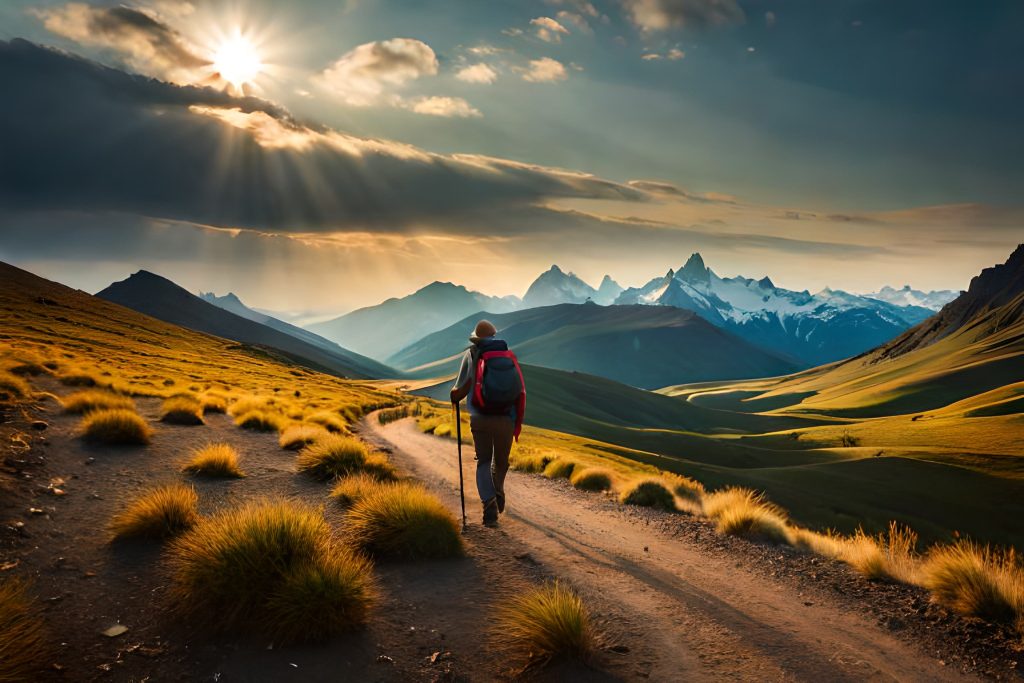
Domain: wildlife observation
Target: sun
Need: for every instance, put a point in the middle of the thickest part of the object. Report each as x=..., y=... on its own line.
x=237, y=60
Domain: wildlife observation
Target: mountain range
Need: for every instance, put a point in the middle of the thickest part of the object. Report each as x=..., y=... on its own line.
x=907, y=296
x=642, y=346
x=160, y=298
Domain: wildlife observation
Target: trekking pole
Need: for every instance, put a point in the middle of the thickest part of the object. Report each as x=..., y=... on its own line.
x=462, y=486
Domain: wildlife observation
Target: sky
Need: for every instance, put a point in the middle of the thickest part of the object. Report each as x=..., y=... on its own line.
x=321, y=155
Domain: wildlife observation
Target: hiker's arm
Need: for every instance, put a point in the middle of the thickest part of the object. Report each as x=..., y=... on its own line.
x=459, y=393
x=462, y=382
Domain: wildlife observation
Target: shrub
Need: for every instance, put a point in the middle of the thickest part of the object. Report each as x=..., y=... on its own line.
x=848, y=440
x=182, y=410
x=262, y=421
x=351, y=489
x=158, y=513
x=95, y=399
x=559, y=468
x=12, y=386
x=885, y=557
x=23, y=647
x=403, y=520
x=336, y=456
x=328, y=421
x=742, y=512
x=649, y=493
x=272, y=568
x=591, y=479
x=297, y=436
x=976, y=581
x=545, y=623
x=215, y=460
x=116, y=426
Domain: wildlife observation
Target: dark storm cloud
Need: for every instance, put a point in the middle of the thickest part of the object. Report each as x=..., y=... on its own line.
x=78, y=136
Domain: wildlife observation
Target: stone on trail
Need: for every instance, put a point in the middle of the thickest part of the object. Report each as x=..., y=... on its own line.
x=115, y=630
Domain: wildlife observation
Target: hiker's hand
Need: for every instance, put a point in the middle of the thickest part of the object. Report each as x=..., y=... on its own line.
x=455, y=397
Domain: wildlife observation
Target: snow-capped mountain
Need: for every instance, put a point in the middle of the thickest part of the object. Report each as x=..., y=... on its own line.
x=933, y=300
x=813, y=328
x=607, y=291
x=557, y=287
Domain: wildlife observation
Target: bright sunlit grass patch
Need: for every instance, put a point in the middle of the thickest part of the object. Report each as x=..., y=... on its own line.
x=685, y=488
x=329, y=421
x=591, y=478
x=650, y=493
x=13, y=387
x=24, y=651
x=529, y=462
x=742, y=512
x=158, y=513
x=118, y=426
x=336, y=456
x=88, y=400
x=298, y=436
x=214, y=402
x=215, y=460
x=262, y=421
x=182, y=410
x=403, y=520
x=546, y=623
x=976, y=581
x=353, y=488
x=272, y=568
x=888, y=556
x=559, y=468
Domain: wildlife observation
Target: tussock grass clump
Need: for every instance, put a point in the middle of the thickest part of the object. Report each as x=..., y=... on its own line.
x=977, y=581
x=77, y=379
x=336, y=456
x=742, y=512
x=214, y=402
x=215, y=460
x=427, y=425
x=247, y=404
x=443, y=429
x=591, y=478
x=270, y=568
x=298, y=436
x=88, y=400
x=262, y=421
x=404, y=521
x=685, y=488
x=159, y=513
x=827, y=544
x=12, y=386
x=351, y=489
x=531, y=463
x=23, y=646
x=888, y=556
x=182, y=410
x=118, y=426
x=548, y=622
x=559, y=468
x=390, y=415
x=650, y=493
x=328, y=421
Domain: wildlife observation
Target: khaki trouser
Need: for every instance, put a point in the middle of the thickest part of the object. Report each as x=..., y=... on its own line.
x=492, y=437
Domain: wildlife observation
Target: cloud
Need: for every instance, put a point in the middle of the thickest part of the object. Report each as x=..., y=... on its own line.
x=583, y=7
x=449, y=107
x=143, y=43
x=78, y=136
x=577, y=20
x=661, y=187
x=364, y=76
x=661, y=15
x=549, y=30
x=672, y=55
x=545, y=70
x=477, y=73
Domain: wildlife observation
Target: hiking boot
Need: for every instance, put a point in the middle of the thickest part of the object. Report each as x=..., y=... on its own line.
x=491, y=512
x=501, y=502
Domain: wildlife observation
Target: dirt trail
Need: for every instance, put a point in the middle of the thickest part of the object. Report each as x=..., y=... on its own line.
x=703, y=616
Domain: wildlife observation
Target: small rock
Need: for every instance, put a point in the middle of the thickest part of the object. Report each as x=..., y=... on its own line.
x=384, y=659
x=645, y=549
x=36, y=511
x=90, y=460
x=39, y=425
x=808, y=603
x=433, y=657
x=115, y=630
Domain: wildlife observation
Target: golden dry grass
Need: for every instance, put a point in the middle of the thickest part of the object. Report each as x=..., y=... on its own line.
x=889, y=556
x=559, y=468
x=214, y=402
x=403, y=520
x=215, y=460
x=336, y=456
x=87, y=400
x=158, y=513
x=298, y=436
x=13, y=387
x=262, y=421
x=523, y=460
x=24, y=650
x=350, y=490
x=827, y=543
x=742, y=512
x=684, y=487
x=271, y=568
x=548, y=622
x=591, y=478
x=246, y=404
x=649, y=492
x=977, y=581
x=329, y=421
x=118, y=426
x=182, y=410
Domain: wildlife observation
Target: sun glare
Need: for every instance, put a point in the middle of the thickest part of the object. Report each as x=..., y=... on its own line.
x=237, y=61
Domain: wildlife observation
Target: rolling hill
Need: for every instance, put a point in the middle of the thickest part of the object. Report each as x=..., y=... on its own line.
x=640, y=346
x=382, y=330
x=160, y=298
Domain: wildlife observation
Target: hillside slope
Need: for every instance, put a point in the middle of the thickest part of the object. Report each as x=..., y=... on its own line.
x=160, y=298
x=642, y=346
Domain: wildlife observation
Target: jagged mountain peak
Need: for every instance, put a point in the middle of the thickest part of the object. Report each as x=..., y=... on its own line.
x=694, y=270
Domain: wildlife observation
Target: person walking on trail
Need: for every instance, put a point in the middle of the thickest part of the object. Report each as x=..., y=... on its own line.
x=491, y=378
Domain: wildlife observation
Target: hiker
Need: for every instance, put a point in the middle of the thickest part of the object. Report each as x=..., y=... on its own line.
x=491, y=378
